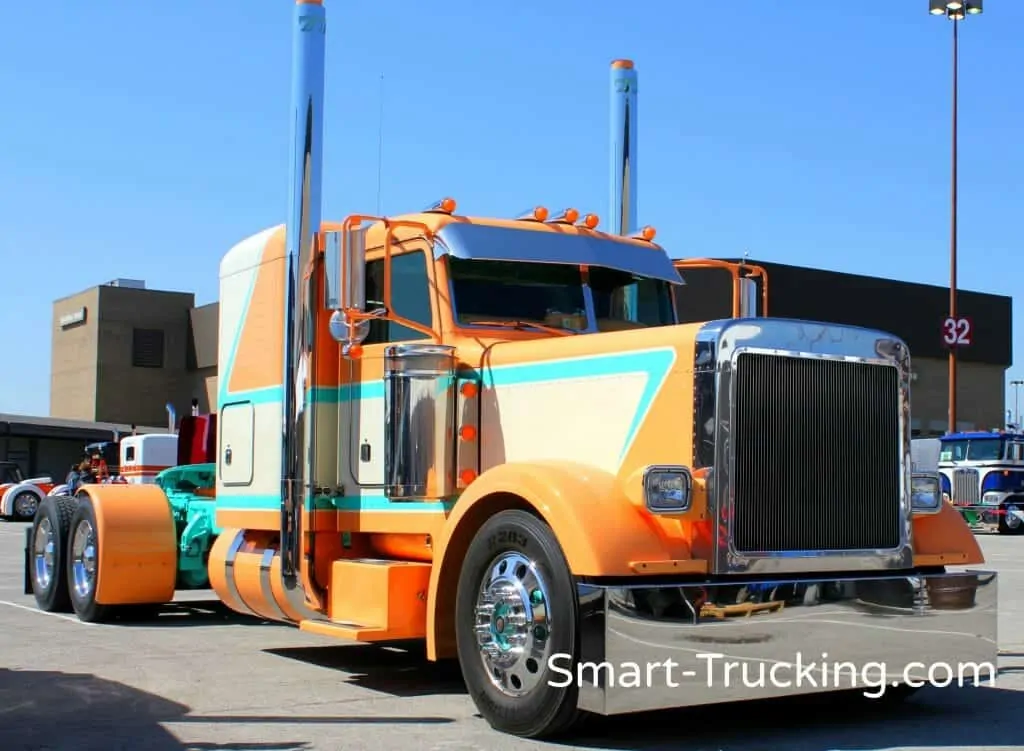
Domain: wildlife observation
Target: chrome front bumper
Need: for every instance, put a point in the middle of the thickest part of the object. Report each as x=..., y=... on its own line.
x=859, y=633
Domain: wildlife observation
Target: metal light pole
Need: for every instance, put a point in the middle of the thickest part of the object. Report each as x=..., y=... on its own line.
x=1016, y=402
x=956, y=11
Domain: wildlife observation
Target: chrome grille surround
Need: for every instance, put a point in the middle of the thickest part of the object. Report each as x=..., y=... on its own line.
x=718, y=346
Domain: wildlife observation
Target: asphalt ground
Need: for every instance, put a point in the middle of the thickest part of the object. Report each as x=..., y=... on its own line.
x=199, y=677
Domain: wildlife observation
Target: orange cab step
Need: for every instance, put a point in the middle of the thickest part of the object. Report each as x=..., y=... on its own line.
x=375, y=600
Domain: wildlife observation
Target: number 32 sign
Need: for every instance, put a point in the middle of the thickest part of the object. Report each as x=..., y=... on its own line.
x=957, y=332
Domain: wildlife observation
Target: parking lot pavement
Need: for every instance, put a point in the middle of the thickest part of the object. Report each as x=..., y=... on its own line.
x=200, y=678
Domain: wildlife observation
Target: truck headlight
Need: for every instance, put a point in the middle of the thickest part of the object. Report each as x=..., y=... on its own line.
x=925, y=493
x=667, y=490
x=993, y=498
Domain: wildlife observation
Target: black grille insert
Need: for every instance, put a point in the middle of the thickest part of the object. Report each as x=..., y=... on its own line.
x=817, y=449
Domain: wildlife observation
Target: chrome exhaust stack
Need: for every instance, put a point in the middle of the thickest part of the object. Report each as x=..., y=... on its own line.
x=623, y=147
x=303, y=225
x=748, y=293
x=172, y=419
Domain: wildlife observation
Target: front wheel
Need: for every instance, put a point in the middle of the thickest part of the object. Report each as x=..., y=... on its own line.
x=516, y=611
x=24, y=506
x=1010, y=522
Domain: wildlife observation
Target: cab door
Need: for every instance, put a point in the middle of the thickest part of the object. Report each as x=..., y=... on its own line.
x=412, y=299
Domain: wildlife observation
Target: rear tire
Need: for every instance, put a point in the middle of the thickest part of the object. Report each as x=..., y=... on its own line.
x=47, y=553
x=516, y=607
x=83, y=562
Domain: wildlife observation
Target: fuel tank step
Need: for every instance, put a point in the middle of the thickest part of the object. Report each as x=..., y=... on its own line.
x=375, y=600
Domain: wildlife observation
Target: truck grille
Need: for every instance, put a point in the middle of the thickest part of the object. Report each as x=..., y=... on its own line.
x=966, y=490
x=817, y=449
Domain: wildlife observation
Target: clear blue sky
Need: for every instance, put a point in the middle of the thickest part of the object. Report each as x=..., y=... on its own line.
x=144, y=139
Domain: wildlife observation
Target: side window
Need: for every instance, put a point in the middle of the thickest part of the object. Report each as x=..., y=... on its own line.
x=129, y=454
x=410, y=296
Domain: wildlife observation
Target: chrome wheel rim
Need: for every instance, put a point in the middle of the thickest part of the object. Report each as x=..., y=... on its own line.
x=513, y=625
x=26, y=505
x=1012, y=516
x=83, y=559
x=43, y=546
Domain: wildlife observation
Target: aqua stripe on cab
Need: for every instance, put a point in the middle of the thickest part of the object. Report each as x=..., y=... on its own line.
x=655, y=363
x=344, y=503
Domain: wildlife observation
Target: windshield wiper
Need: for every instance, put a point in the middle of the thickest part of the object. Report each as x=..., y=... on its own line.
x=523, y=325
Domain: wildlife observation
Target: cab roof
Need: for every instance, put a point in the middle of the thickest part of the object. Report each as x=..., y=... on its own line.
x=981, y=434
x=479, y=238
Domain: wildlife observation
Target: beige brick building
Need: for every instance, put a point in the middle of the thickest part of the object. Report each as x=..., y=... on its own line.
x=121, y=352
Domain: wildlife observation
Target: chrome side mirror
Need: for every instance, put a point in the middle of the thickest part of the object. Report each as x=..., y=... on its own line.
x=345, y=285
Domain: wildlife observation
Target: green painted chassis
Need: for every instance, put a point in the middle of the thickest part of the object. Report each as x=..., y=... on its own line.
x=194, y=519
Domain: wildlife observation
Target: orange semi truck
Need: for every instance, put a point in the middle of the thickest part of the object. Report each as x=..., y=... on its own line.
x=494, y=435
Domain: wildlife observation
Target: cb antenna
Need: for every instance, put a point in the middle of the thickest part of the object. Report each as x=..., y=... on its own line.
x=380, y=141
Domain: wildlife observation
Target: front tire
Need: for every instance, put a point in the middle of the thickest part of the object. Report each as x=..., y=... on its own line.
x=48, y=552
x=1009, y=522
x=83, y=564
x=24, y=506
x=516, y=608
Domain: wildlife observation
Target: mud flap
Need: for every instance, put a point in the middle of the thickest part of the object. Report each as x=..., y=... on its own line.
x=28, y=560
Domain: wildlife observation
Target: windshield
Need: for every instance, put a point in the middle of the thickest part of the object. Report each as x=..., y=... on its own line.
x=973, y=450
x=10, y=473
x=554, y=295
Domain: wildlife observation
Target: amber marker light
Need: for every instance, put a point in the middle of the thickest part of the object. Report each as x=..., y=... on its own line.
x=469, y=389
x=647, y=233
x=539, y=214
x=445, y=206
x=467, y=433
x=467, y=476
x=590, y=221
x=569, y=216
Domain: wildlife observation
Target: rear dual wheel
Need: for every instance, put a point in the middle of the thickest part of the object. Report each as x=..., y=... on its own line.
x=83, y=564
x=516, y=608
x=64, y=561
x=48, y=553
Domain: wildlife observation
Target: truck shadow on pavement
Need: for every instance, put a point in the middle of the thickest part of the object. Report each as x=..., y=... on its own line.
x=400, y=668
x=190, y=613
x=950, y=718
x=81, y=712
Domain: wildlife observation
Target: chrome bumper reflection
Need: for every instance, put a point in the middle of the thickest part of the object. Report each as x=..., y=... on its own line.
x=724, y=640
